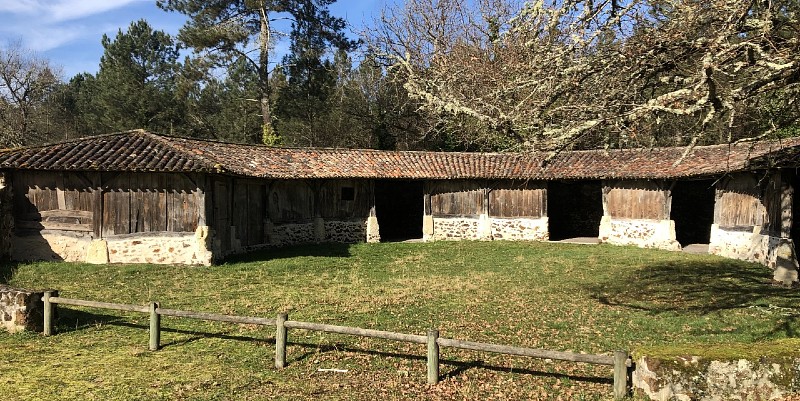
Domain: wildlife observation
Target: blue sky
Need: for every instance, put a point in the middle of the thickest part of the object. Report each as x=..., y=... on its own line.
x=68, y=32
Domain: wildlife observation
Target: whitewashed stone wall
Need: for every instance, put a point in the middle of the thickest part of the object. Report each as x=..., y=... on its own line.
x=50, y=245
x=692, y=378
x=457, y=228
x=20, y=309
x=157, y=248
x=643, y=233
x=751, y=246
x=520, y=229
x=485, y=228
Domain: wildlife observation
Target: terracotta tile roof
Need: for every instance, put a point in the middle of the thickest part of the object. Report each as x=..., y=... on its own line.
x=144, y=151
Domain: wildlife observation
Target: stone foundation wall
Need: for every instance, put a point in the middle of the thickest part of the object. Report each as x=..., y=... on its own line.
x=6, y=221
x=693, y=378
x=346, y=232
x=290, y=234
x=50, y=245
x=751, y=246
x=643, y=233
x=20, y=309
x=156, y=248
x=319, y=230
x=456, y=228
x=485, y=228
x=520, y=229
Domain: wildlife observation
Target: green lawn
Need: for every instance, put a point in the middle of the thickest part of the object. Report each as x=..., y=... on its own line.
x=581, y=298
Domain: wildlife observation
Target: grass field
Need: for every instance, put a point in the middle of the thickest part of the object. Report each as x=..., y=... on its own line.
x=590, y=299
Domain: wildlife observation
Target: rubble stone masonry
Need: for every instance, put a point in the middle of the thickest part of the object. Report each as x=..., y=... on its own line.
x=20, y=309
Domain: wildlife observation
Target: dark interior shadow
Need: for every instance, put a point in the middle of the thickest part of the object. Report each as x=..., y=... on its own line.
x=701, y=287
x=83, y=320
x=327, y=249
x=7, y=270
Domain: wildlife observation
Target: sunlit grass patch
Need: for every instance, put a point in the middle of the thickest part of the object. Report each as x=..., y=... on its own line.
x=592, y=299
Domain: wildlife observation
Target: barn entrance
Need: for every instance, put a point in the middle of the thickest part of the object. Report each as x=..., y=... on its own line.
x=399, y=208
x=693, y=211
x=794, y=234
x=574, y=209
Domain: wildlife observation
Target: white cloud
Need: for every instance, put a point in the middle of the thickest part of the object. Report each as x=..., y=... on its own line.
x=50, y=11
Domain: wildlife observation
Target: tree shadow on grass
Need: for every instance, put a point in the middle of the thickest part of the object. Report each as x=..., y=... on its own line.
x=700, y=287
x=328, y=249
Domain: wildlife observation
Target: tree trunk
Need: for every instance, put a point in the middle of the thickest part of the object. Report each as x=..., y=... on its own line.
x=263, y=73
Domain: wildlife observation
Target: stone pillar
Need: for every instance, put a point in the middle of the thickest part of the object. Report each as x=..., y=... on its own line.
x=319, y=229
x=203, y=241
x=427, y=227
x=373, y=229
x=786, y=265
x=485, y=227
x=97, y=253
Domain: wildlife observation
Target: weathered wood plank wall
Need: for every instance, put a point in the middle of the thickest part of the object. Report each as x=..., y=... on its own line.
x=739, y=202
x=52, y=200
x=150, y=202
x=636, y=199
x=345, y=199
x=457, y=198
x=124, y=204
x=748, y=200
x=291, y=201
x=518, y=199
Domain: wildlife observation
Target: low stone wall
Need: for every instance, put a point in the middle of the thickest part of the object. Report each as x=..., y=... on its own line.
x=520, y=229
x=6, y=221
x=319, y=230
x=346, y=232
x=643, y=233
x=50, y=245
x=751, y=246
x=290, y=234
x=457, y=228
x=692, y=378
x=20, y=309
x=156, y=247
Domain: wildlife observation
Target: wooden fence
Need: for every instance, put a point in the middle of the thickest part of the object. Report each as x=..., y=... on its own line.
x=620, y=360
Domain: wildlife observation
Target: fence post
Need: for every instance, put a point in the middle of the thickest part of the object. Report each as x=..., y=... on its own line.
x=48, y=312
x=280, y=340
x=433, y=356
x=155, y=327
x=620, y=374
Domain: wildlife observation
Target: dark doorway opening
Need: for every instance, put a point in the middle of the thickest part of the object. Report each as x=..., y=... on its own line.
x=574, y=209
x=399, y=208
x=794, y=234
x=693, y=211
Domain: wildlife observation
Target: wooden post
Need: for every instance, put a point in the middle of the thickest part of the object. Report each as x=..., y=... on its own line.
x=155, y=327
x=620, y=374
x=48, y=312
x=280, y=340
x=433, y=356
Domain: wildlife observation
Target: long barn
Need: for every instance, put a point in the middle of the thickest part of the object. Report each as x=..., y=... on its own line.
x=140, y=197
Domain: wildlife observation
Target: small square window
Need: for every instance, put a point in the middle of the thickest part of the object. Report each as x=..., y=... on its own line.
x=348, y=193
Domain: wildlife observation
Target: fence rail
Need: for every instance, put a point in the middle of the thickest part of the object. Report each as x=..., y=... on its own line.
x=620, y=360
